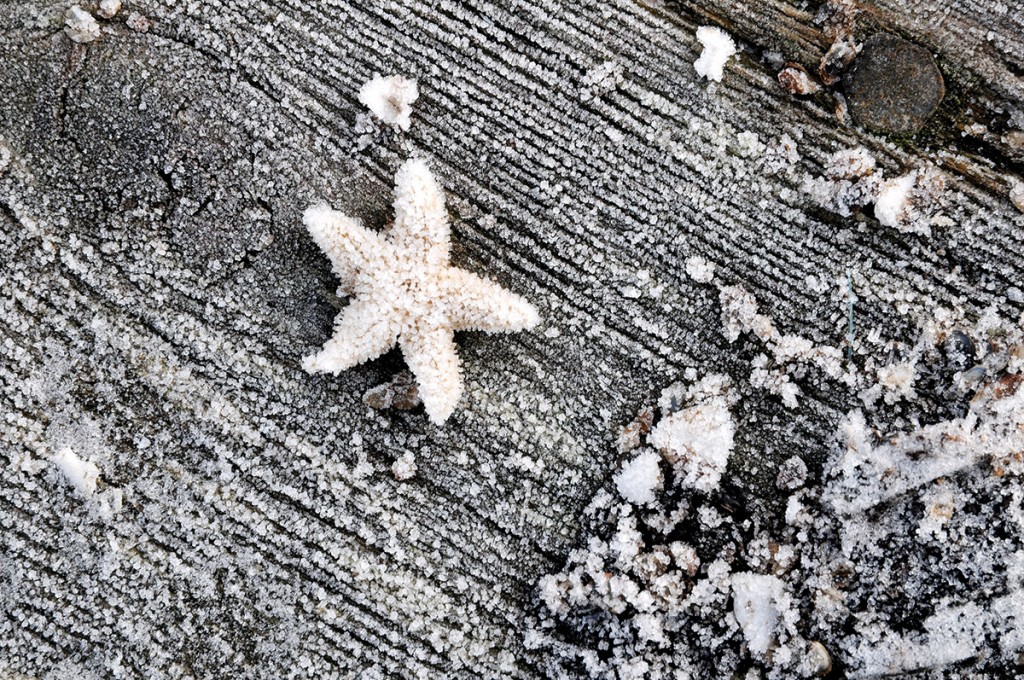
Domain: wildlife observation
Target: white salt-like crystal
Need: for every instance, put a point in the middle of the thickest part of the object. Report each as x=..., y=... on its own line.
x=80, y=26
x=108, y=8
x=640, y=479
x=718, y=47
x=82, y=474
x=756, y=599
x=697, y=441
x=405, y=467
x=390, y=98
x=699, y=269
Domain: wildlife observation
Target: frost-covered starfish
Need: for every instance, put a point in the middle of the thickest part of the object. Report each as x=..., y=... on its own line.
x=405, y=290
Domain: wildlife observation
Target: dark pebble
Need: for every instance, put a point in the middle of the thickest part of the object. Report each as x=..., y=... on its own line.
x=893, y=85
x=960, y=352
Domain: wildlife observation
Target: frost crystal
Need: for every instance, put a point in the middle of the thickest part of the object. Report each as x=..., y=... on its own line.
x=757, y=600
x=108, y=8
x=718, y=47
x=80, y=26
x=405, y=467
x=405, y=291
x=640, y=478
x=80, y=473
x=697, y=441
x=390, y=99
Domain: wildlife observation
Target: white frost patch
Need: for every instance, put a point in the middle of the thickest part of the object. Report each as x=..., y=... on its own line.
x=82, y=474
x=897, y=380
x=390, y=98
x=80, y=26
x=758, y=603
x=640, y=479
x=868, y=473
x=718, y=47
x=850, y=182
x=601, y=80
x=697, y=441
x=699, y=269
x=405, y=467
x=893, y=199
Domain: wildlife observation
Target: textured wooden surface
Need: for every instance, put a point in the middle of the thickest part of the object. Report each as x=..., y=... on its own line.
x=159, y=291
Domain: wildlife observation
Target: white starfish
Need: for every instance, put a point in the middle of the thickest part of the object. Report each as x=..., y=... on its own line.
x=405, y=290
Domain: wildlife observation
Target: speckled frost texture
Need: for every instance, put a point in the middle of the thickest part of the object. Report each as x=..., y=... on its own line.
x=832, y=581
x=405, y=291
x=390, y=98
x=718, y=47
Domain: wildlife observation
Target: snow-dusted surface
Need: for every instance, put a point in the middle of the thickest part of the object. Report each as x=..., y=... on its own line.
x=159, y=289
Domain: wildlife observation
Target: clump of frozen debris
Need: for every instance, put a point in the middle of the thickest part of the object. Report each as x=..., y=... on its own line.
x=404, y=467
x=391, y=98
x=790, y=355
x=80, y=26
x=108, y=8
x=852, y=181
x=718, y=47
x=697, y=440
x=908, y=558
x=907, y=202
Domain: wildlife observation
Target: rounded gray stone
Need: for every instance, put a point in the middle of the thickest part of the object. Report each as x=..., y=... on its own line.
x=893, y=86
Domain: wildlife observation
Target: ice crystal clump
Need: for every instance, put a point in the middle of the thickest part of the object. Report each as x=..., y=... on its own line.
x=718, y=47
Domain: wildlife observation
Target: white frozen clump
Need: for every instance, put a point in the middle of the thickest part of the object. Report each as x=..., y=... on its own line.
x=390, y=98
x=640, y=479
x=697, y=441
x=718, y=47
x=699, y=269
x=82, y=474
x=852, y=181
x=907, y=203
x=108, y=8
x=404, y=467
x=897, y=380
x=80, y=26
x=759, y=601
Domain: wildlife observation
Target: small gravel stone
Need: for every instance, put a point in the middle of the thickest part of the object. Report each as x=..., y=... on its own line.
x=80, y=26
x=108, y=8
x=894, y=85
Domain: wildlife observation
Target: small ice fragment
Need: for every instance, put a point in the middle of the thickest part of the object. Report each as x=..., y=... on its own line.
x=81, y=473
x=640, y=478
x=405, y=467
x=80, y=26
x=718, y=47
x=108, y=8
x=390, y=99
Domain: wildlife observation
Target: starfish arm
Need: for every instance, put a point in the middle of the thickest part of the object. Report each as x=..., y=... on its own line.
x=361, y=332
x=433, y=360
x=421, y=220
x=476, y=304
x=347, y=243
